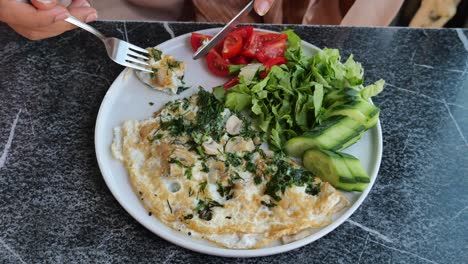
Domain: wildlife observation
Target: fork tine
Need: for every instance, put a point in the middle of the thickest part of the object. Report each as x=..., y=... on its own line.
x=131, y=65
x=138, y=55
x=131, y=46
x=135, y=60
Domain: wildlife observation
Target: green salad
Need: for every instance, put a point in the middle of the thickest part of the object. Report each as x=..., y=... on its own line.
x=309, y=103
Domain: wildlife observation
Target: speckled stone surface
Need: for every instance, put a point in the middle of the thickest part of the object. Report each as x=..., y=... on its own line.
x=56, y=208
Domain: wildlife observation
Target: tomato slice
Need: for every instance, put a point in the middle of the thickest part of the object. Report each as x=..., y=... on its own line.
x=252, y=44
x=263, y=74
x=271, y=50
x=217, y=64
x=239, y=59
x=258, y=39
x=270, y=37
x=232, y=46
x=275, y=61
x=245, y=32
x=196, y=40
x=234, y=81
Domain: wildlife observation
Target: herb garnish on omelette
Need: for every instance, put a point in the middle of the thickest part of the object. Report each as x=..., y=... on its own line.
x=200, y=169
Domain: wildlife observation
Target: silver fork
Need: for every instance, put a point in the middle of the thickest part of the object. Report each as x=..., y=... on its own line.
x=120, y=51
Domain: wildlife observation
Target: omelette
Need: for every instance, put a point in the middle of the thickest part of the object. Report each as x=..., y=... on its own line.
x=202, y=169
x=167, y=73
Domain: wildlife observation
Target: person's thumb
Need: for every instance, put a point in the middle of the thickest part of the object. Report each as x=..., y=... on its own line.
x=44, y=4
x=85, y=14
x=27, y=15
x=262, y=6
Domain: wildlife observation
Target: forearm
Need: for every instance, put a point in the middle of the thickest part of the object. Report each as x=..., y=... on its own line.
x=372, y=13
x=160, y=4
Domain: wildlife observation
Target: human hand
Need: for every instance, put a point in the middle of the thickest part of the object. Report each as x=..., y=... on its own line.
x=44, y=18
x=263, y=6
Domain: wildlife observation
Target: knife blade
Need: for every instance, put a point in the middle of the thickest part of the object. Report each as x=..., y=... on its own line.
x=224, y=32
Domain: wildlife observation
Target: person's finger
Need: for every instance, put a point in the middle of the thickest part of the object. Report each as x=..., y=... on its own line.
x=33, y=34
x=79, y=3
x=82, y=13
x=262, y=6
x=28, y=16
x=85, y=14
x=44, y=4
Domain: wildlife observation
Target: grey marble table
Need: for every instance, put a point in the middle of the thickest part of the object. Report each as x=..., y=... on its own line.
x=56, y=208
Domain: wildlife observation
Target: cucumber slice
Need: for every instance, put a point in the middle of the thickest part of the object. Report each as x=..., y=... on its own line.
x=339, y=169
x=353, y=138
x=344, y=101
x=355, y=167
x=358, y=110
x=332, y=134
x=374, y=118
x=371, y=123
x=352, y=187
x=350, y=142
x=329, y=166
x=347, y=94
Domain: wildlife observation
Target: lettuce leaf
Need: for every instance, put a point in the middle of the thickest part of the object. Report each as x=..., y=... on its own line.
x=294, y=41
x=373, y=89
x=318, y=99
x=293, y=51
x=238, y=101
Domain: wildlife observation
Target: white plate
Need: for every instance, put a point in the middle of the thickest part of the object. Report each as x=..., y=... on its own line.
x=128, y=98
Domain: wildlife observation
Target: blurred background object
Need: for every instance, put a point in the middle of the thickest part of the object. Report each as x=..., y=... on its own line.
x=171, y=10
x=434, y=13
x=413, y=13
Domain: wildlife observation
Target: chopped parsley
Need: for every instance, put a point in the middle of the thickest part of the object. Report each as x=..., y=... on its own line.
x=156, y=136
x=247, y=131
x=169, y=205
x=257, y=180
x=251, y=167
x=176, y=126
x=202, y=187
x=176, y=161
x=188, y=217
x=313, y=189
x=286, y=175
x=205, y=168
x=233, y=159
x=188, y=173
x=235, y=176
x=171, y=64
x=209, y=120
x=200, y=151
x=248, y=156
x=225, y=191
x=155, y=54
x=181, y=89
x=205, y=209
